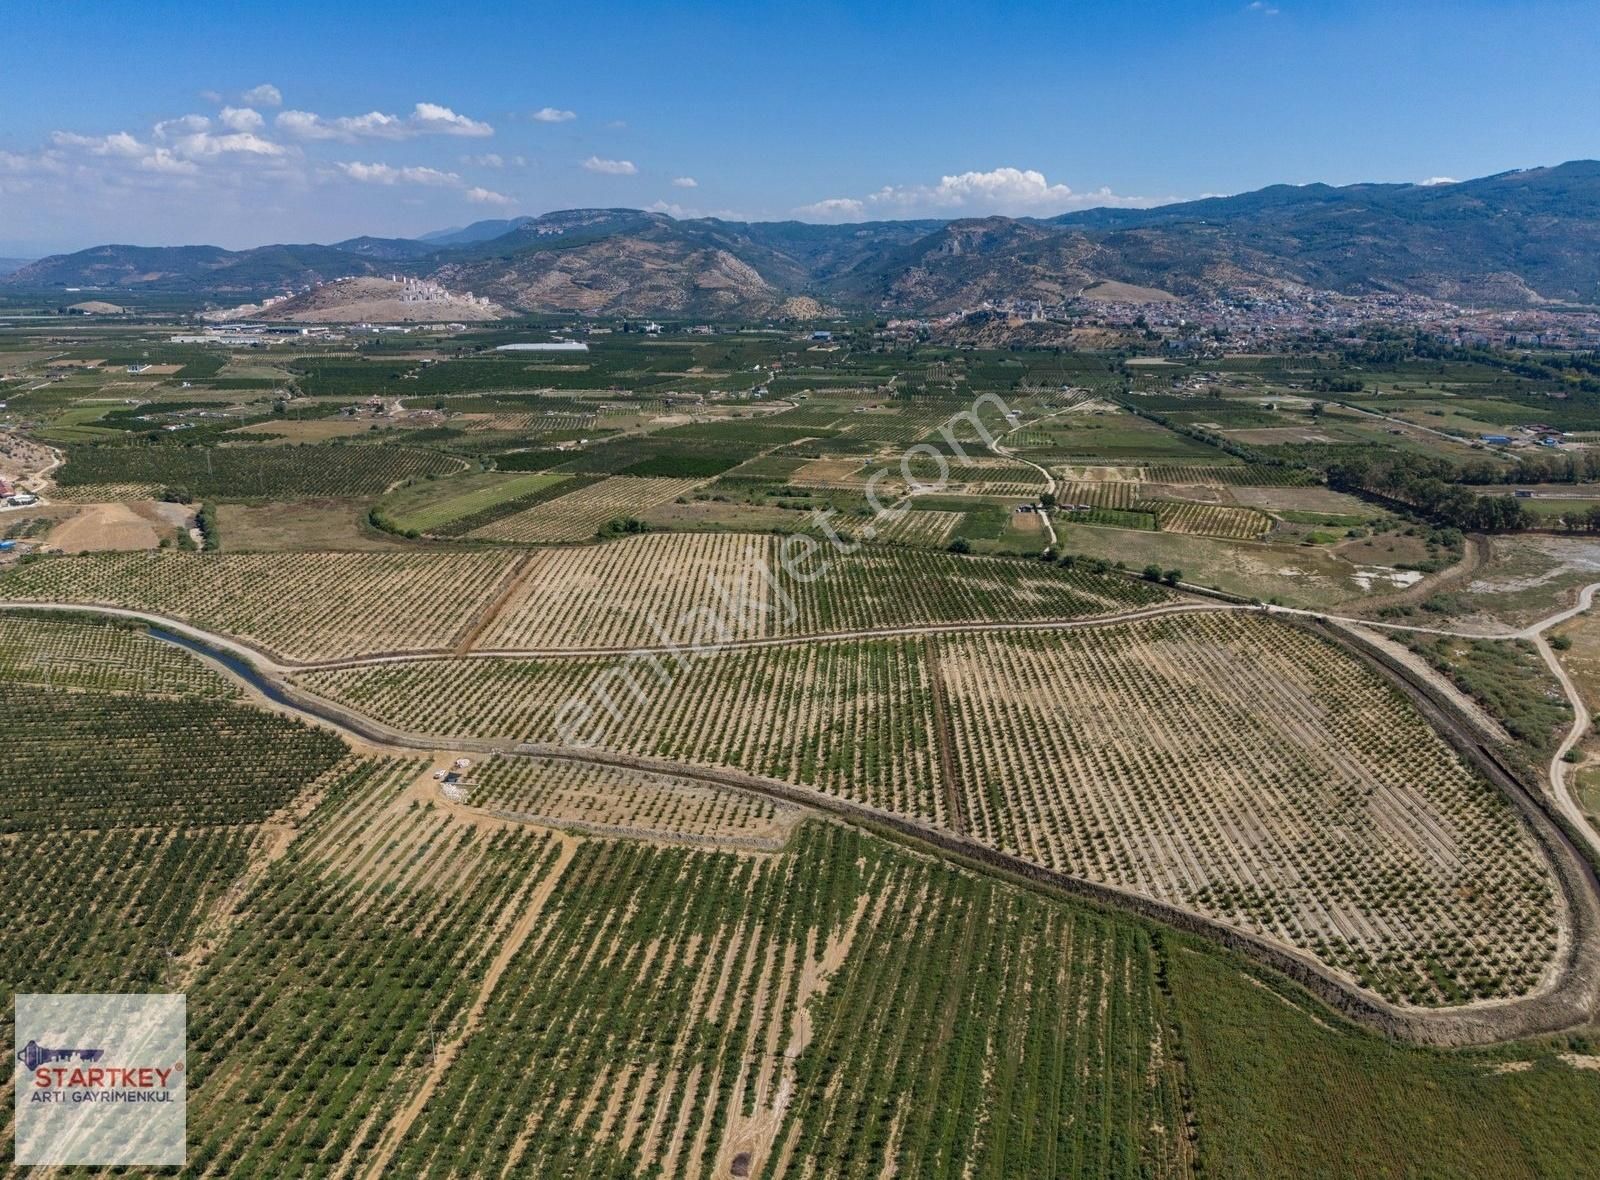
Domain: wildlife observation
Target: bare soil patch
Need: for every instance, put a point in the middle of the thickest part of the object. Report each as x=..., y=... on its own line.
x=828, y=473
x=101, y=527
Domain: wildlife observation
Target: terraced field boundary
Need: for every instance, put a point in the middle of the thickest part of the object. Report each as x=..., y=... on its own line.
x=490, y=611
x=1573, y=1001
x=532, y=902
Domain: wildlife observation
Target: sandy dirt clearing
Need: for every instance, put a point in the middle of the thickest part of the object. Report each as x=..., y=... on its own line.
x=101, y=527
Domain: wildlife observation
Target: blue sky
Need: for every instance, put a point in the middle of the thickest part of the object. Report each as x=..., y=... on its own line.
x=243, y=123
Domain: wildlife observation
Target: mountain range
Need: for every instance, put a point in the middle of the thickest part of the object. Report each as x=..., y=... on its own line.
x=1517, y=238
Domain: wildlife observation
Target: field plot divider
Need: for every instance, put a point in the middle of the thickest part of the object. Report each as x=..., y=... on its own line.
x=512, y=926
x=510, y=582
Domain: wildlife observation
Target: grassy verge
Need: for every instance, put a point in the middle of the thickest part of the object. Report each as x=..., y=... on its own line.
x=1281, y=1088
x=1509, y=680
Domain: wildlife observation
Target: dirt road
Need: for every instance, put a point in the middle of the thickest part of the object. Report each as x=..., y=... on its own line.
x=1049, y=479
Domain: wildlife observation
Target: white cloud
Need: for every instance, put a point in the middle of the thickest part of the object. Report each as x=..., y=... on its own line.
x=305, y=125
x=1013, y=191
x=1001, y=188
x=183, y=125
x=426, y=118
x=203, y=144
x=264, y=95
x=117, y=144
x=388, y=174
x=432, y=119
x=241, y=119
x=42, y=163
x=188, y=141
x=1263, y=8
x=833, y=209
x=242, y=167
x=1434, y=181
x=685, y=182
x=553, y=115
x=610, y=167
x=162, y=160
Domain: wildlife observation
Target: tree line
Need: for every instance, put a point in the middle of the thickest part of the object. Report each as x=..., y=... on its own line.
x=1429, y=487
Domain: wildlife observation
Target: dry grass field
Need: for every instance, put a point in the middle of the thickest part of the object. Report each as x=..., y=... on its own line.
x=1101, y=474
x=307, y=525
x=110, y=527
x=830, y=473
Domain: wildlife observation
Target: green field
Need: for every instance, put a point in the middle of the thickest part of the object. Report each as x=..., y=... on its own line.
x=425, y=506
x=1281, y=1088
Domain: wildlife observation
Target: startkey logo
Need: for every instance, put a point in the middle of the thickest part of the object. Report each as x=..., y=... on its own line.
x=100, y=1079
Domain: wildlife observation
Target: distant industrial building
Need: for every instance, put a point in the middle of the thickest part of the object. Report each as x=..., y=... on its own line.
x=549, y=346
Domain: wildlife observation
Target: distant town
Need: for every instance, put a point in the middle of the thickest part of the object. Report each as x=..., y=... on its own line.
x=1250, y=321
